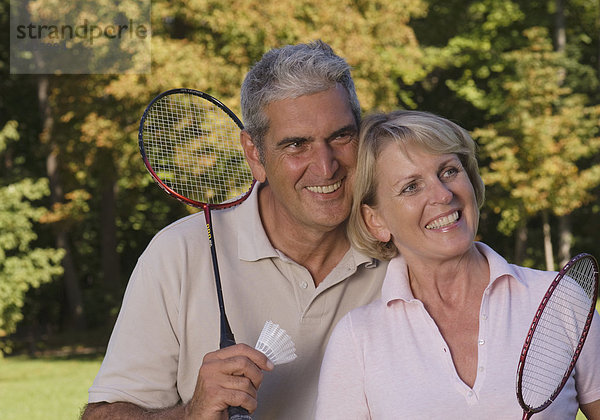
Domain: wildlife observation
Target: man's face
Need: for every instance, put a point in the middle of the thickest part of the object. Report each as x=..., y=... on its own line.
x=309, y=159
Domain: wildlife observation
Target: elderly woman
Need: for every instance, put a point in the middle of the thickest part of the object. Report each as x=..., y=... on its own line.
x=444, y=340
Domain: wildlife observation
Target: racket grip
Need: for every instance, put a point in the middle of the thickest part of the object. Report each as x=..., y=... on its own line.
x=238, y=413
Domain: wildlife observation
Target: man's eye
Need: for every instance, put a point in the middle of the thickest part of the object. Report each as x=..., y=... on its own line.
x=295, y=144
x=345, y=137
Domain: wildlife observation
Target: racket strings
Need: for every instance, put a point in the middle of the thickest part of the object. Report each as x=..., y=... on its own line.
x=558, y=333
x=193, y=146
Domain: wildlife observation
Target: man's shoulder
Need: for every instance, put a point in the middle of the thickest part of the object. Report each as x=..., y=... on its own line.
x=194, y=225
x=181, y=228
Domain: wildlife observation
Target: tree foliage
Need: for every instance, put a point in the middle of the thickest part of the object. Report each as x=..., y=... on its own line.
x=22, y=264
x=541, y=147
x=72, y=177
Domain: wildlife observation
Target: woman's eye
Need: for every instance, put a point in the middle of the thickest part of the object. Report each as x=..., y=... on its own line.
x=410, y=188
x=450, y=172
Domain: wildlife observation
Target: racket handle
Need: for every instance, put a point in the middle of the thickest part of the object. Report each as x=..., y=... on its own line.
x=238, y=413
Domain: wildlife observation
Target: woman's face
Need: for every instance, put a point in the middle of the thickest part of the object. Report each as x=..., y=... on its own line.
x=425, y=203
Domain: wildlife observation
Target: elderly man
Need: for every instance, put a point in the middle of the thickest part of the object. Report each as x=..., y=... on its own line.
x=283, y=253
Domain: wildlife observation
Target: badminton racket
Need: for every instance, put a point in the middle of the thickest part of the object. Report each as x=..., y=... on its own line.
x=557, y=334
x=189, y=142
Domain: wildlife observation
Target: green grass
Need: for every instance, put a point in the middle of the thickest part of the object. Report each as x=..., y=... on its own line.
x=52, y=388
x=45, y=388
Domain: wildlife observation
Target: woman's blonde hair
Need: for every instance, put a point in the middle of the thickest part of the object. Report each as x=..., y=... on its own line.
x=434, y=134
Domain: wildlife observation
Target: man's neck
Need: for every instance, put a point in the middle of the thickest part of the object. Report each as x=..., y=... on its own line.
x=318, y=250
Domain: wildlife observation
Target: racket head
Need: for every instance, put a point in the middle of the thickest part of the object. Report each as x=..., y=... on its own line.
x=189, y=142
x=557, y=334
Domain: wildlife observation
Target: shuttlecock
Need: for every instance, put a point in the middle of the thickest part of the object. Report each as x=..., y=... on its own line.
x=276, y=344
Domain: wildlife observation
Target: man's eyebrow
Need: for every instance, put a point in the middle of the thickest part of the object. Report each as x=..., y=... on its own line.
x=292, y=139
x=350, y=128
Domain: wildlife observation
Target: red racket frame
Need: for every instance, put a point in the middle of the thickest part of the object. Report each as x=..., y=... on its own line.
x=527, y=411
x=226, y=335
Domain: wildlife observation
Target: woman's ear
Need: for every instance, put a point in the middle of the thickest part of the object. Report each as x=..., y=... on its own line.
x=252, y=157
x=375, y=224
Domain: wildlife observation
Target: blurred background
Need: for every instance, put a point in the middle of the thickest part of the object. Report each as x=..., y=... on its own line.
x=77, y=206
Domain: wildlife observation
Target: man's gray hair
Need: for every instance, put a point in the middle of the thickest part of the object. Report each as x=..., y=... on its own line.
x=287, y=73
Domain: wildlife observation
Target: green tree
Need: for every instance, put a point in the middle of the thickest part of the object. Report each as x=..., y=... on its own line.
x=468, y=44
x=22, y=264
x=541, y=149
x=210, y=44
x=103, y=205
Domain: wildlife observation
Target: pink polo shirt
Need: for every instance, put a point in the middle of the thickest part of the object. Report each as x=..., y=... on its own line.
x=388, y=360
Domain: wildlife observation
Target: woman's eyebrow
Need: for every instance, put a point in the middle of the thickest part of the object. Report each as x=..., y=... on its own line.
x=452, y=159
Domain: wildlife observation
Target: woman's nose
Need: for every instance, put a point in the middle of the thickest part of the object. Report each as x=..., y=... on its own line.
x=440, y=193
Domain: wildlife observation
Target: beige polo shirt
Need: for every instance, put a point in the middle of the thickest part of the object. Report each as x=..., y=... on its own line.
x=169, y=318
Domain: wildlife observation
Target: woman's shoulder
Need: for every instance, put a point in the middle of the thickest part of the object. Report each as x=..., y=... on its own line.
x=500, y=267
x=528, y=274
x=363, y=319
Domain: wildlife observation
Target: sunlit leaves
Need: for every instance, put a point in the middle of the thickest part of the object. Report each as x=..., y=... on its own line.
x=223, y=39
x=539, y=151
x=22, y=265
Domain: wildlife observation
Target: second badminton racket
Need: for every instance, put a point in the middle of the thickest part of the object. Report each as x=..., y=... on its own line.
x=557, y=334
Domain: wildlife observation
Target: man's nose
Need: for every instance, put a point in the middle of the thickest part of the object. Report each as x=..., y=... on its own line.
x=324, y=161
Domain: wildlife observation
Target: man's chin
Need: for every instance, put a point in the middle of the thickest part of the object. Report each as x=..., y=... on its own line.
x=331, y=218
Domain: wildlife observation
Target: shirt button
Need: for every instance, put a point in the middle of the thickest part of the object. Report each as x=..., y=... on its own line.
x=481, y=368
x=304, y=284
x=481, y=342
x=470, y=393
x=484, y=317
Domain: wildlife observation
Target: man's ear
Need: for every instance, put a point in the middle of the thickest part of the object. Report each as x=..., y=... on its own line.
x=375, y=224
x=252, y=156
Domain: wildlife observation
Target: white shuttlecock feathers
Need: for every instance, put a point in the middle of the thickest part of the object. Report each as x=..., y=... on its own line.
x=276, y=344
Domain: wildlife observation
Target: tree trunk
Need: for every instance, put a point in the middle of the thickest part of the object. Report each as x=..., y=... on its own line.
x=598, y=43
x=560, y=37
x=520, y=243
x=108, y=210
x=73, y=293
x=565, y=239
x=75, y=319
x=547, y=241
